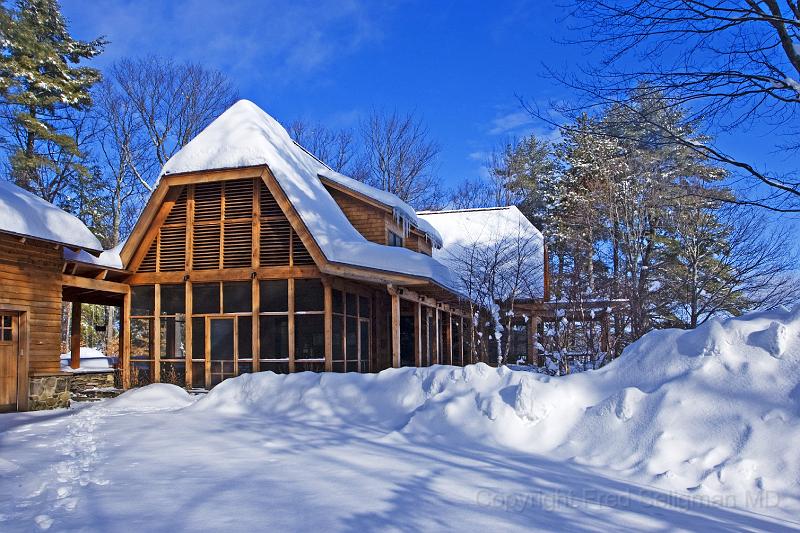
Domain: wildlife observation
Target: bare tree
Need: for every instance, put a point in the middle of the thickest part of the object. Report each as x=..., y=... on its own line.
x=499, y=266
x=733, y=63
x=335, y=148
x=399, y=157
x=121, y=148
x=172, y=101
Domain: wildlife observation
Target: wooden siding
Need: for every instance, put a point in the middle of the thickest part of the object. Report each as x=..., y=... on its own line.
x=30, y=280
x=374, y=223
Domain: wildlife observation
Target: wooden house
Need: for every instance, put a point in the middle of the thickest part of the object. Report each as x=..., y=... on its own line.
x=252, y=255
x=33, y=235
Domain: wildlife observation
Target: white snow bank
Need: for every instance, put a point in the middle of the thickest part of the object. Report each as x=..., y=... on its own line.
x=713, y=412
x=244, y=135
x=92, y=360
x=158, y=396
x=27, y=215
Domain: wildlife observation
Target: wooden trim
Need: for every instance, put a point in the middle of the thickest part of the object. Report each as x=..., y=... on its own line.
x=329, y=325
x=151, y=231
x=294, y=219
x=395, y=325
x=188, y=304
x=255, y=259
x=156, y=335
x=125, y=324
x=437, y=339
x=75, y=336
x=94, y=284
x=290, y=323
x=189, y=229
x=205, y=176
x=23, y=359
x=207, y=350
x=229, y=274
x=418, y=334
x=256, y=326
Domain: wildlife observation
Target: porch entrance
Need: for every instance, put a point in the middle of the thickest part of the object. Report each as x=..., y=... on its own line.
x=9, y=360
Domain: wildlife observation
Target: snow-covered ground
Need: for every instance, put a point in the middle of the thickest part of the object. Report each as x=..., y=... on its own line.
x=693, y=430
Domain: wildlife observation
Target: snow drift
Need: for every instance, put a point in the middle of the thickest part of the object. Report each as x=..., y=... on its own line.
x=713, y=411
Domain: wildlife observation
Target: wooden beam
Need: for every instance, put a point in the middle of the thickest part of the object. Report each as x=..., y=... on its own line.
x=418, y=334
x=156, y=336
x=329, y=325
x=188, y=304
x=395, y=306
x=256, y=292
x=151, y=231
x=94, y=284
x=290, y=283
x=75, y=336
x=437, y=338
x=125, y=345
x=228, y=274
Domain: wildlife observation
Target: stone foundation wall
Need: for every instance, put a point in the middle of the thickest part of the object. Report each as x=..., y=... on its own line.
x=93, y=386
x=49, y=392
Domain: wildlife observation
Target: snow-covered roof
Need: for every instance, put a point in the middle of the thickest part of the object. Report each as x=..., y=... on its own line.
x=245, y=136
x=466, y=229
x=27, y=215
x=107, y=259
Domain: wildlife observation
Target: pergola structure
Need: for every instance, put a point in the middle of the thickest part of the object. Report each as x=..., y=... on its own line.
x=540, y=312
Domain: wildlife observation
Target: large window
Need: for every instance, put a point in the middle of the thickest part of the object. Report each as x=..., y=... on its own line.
x=309, y=325
x=351, y=337
x=142, y=338
x=274, y=325
x=172, y=337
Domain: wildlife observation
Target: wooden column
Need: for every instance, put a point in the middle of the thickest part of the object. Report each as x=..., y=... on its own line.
x=449, y=338
x=395, y=305
x=187, y=344
x=156, y=335
x=75, y=336
x=437, y=338
x=461, y=339
x=125, y=339
x=291, y=324
x=530, y=334
x=256, y=324
x=418, y=334
x=329, y=325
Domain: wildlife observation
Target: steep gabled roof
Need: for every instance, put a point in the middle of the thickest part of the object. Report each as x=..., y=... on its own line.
x=484, y=228
x=27, y=215
x=246, y=136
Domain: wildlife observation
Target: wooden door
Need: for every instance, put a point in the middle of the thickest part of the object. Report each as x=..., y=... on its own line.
x=9, y=357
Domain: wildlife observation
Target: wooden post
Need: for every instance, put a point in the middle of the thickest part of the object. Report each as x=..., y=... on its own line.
x=449, y=338
x=256, y=323
x=125, y=345
x=156, y=335
x=329, y=325
x=290, y=283
x=395, y=326
x=418, y=334
x=437, y=338
x=75, y=336
x=187, y=328
x=530, y=334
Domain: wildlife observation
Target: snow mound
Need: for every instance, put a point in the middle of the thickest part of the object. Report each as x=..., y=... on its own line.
x=27, y=215
x=713, y=412
x=92, y=360
x=155, y=397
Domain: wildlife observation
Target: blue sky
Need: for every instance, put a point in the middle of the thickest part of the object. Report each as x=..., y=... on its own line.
x=458, y=65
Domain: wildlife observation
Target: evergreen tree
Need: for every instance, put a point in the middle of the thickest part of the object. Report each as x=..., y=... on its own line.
x=44, y=96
